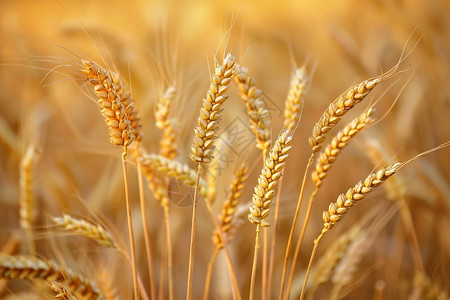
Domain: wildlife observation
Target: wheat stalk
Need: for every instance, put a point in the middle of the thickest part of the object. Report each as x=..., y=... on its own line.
x=265, y=190
x=22, y=267
x=256, y=108
x=344, y=202
x=118, y=109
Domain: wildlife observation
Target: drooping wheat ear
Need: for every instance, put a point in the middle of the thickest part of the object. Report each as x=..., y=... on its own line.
x=115, y=103
x=205, y=133
x=256, y=108
x=326, y=265
x=173, y=169
x=87, y=229
x=22, y=267
x=341, y=105
x=430, y=288
x=229, y=206
x=168, y=141
x=354, y=194
x=294, y=101
x=268, y=179
x=339, y=142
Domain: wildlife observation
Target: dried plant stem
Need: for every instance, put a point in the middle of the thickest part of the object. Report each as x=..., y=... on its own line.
x=145, y=225
x=192, y=243
x=169, y=251
x=221, y=241
x=291, y=233
x=308, y=270
x=299, y=242
x=130, y=225
x=163, y=273
x=209, y=272
x=405, y=213
x=264, y=264
x=255, y=262
x=274, y=239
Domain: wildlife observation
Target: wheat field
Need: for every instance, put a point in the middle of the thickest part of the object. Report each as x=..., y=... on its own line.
x=224, y=149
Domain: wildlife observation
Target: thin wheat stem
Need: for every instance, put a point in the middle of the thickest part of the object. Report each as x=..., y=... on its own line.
x=209, y=272
x=291, y=233
x=224, y=244
x=169, y=251
x=274, y=238
x=299, y=242
x=308, y=270
x=130, y=224
x=163, y=273
x=140, y=283
x=192, y=243
x=255, y=262
x=264, y=264
x=145, y=225
x=405, y=213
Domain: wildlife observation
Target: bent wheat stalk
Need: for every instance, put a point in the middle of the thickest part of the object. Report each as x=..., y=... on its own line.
x=326, y=158
x=336, y=210
x=120, y=114
x=335, y=111
x=205, y=134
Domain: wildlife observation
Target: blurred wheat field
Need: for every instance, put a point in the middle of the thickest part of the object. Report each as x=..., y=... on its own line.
x=63, y=220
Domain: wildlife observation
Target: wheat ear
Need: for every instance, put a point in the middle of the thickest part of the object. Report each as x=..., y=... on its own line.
x=173, y=169
x=115, y=103
x=168, y=142
x=205, y=133
x=256, y=108
x=22, y=267
x=27, y=197
x=294, y=101
x=87, y=229
x=345, y=201
x=265, y=190
x=430, y=288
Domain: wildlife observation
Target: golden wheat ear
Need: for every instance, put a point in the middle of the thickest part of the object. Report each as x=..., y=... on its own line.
x=22, y=267
x=256, y=108
x=115, y=103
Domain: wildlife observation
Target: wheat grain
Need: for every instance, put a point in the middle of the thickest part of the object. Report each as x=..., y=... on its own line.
x=22, y=267
x=339, y=142
x=256, y=108
x=205, y=133
x=355, y=194
x=229, y=206
x=168, y=142
x=294, y=101
x=173, y=169
x=265, y=190
x=115, y=103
